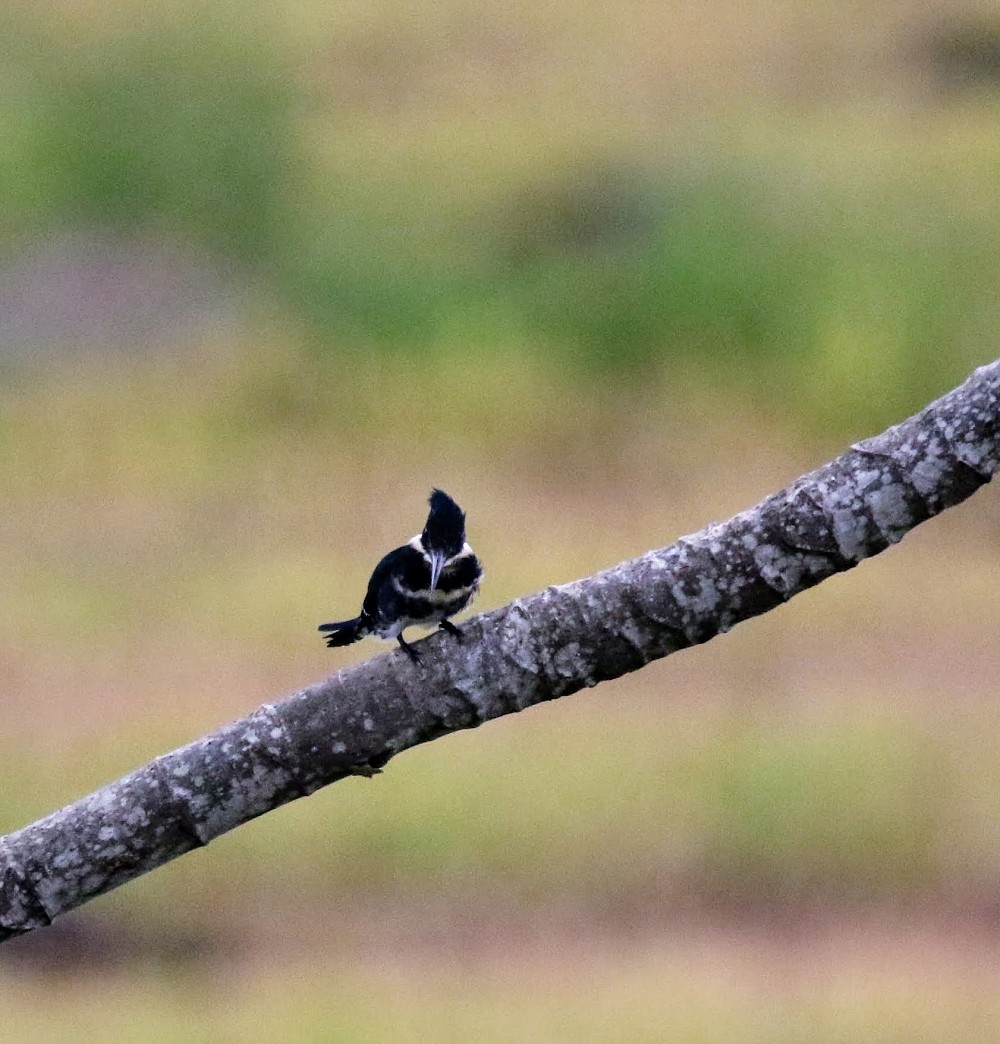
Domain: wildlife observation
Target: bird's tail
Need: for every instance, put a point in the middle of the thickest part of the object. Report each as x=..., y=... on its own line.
x=346, y=632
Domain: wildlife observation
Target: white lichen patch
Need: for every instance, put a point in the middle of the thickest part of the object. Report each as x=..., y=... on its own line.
x=702, y=600
x=779, y=569
x=890, y=511
x=926, y=473
x=972, y=454
x=850, y=531
x=248, y=797
x=136, y=817
x=471, y=694
x=636, y=636
x=867, y=477
x=570, y=663
x=516, y=637
x=566, y=660
x=67, y=858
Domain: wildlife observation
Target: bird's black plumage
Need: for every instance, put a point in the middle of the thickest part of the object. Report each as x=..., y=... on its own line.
x=420, y=584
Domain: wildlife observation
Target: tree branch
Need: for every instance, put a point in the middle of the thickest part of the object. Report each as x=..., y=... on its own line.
x=534, y=649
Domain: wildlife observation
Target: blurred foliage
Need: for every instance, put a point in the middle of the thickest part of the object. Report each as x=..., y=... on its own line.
x=858, y=812
x=560, y=996
x=180, y=130
x=848, y=282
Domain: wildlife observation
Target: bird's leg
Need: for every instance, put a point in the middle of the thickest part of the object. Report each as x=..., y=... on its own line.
x=408, y=649
x=447, y=625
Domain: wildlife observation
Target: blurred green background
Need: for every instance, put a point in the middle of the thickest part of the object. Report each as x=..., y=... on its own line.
x=270, y=272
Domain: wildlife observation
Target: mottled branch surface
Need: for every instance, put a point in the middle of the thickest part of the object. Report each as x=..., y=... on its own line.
x=534, y=649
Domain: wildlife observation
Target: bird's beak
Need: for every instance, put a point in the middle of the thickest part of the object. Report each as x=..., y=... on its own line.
x=438, y=560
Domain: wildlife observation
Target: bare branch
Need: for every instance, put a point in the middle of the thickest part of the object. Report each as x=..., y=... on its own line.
x=534, y=649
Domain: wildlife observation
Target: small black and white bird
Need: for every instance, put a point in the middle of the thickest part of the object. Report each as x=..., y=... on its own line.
x=421, y=584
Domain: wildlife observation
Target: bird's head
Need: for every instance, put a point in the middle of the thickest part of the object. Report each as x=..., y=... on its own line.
x=444, y=533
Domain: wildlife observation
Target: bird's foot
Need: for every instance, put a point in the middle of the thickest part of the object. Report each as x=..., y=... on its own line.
x=408, y=649
x=450, y=628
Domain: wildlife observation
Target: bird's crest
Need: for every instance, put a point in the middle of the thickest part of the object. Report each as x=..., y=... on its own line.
x=445, y=527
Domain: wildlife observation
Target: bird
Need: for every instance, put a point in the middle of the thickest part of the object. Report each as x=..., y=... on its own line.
x=423, y=583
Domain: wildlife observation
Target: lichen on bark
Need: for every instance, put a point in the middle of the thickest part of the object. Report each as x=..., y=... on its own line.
x=534, y=649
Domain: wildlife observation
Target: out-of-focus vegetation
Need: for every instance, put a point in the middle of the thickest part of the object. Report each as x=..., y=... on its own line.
x=386, y=180
x=606, y=276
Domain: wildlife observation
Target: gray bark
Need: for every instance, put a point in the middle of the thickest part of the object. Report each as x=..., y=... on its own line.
x=534, y=649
